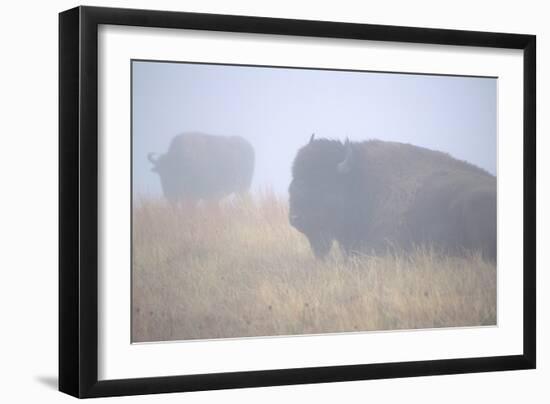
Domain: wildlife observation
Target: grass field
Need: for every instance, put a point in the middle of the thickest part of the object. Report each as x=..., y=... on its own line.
x=238, y=269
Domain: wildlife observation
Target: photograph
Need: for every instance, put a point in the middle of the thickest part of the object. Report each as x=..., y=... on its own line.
x=249, y=201
x=272, y=201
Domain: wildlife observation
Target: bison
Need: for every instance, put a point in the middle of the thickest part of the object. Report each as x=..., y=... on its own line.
x=372, y=195
x=198, y=166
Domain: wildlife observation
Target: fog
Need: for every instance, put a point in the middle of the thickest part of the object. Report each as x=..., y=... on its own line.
x=277, y=109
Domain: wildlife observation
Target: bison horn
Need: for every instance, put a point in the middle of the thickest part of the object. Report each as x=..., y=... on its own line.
x=345, y=165
x=152, y=158
x=312, y=138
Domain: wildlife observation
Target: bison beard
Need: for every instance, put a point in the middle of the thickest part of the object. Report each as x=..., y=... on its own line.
x=374, y=195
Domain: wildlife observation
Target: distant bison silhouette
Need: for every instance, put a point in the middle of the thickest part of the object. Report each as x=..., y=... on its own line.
x=372, y=195
x=200, y=166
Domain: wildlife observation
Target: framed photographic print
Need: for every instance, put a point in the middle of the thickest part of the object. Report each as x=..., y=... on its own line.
x=249, y=201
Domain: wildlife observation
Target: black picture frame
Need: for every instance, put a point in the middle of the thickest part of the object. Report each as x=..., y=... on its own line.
x=78, y=201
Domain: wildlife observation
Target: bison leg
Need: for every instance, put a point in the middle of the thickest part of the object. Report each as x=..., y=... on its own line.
x=320, y=244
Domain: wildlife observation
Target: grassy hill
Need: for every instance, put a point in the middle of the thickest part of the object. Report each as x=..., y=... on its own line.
x=238, y=269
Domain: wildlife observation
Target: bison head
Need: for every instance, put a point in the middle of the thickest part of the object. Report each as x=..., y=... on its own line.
x=319, y=191
x=154, y=159
x=169, y=175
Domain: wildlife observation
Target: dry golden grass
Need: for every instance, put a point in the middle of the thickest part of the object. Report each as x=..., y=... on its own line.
x=239, y=269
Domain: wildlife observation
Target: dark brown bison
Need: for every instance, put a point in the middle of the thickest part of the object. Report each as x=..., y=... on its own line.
x=199, y=166
x=372, y=195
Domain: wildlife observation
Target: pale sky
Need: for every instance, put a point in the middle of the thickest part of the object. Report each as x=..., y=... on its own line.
x=277, y=109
